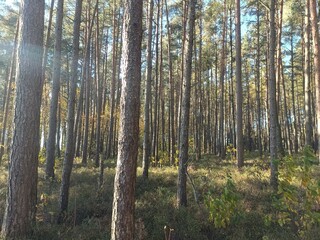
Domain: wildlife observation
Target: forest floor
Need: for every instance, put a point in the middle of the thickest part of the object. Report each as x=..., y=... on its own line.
x=223, y=203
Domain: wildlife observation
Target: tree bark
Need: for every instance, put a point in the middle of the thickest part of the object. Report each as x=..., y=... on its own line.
x=272, y=99
x=113, y=81
x=185, y=110
x=258, y=91
x=70, y=145
x=20, y=210
x=155, y=139
x=8, y=92
x=239, y=138
x=279, y=73
x=171, y=86
x=222, y=151
x=146, y=133
x=295, y=125
x=51, y=143
x=122, y=226
x=307, y=90
x=316, y=56
x=99, y=91
x=87, y=75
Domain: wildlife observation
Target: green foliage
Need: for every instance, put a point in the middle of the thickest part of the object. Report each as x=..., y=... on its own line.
x=231, y=153
x=224, y=209
x=90, y=207
x=42, y=156
x=297, y=201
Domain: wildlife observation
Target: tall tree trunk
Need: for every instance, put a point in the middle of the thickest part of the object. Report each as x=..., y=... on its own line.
x=279, y=73
x=307, y=90
x=70, y=145
x=102, y=110
x=113, y=81
x=199, y=113
x=20, y=210
x=58, y=135
x=156, y=90
x=44, y=66
x=122, y=226
x=316, y=56
x=239, y=138
x=8, y=92
x=88, y=85
x=171, y=86
x=146, y=133
x=295, y=127
x=222, y=152
x=180, y=83
x=233, y=131
x=161, y=85
x=99, y=91
x=248, y=120
x=51, y=143
x=216, y=134
x=258, y=91
x=286, y=113
x=184, y=130
x=78, y=123
x=272, y=99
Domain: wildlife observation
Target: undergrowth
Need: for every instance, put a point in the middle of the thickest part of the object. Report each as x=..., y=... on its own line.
x=231, y=204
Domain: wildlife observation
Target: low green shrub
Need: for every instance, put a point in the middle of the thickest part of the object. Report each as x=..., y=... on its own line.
x=225, y=208
x=297, y=201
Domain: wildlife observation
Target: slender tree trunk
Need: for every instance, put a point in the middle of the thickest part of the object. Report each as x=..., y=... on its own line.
x=78, y=124
x=46, y=46
x=113, y=82
x=199, y=115
x=295, y=127
x=99, y=90
x=119, y=85
x=231, y=89
x=44, y=66
x=102, y=111
x=216, y=134
x=161, y=118
x=70, y=145
x=222, y=152
x=51, y=143
x=146, y=136
x=156, y=90
x=122, y=226
x=240, y=150
x=248, y=120
x=279, y=73
x=286, y=113
x=171, y=86
x=184, y=130
x=272, y=99
x=20, y=210
x=58, y=135
x=316, y=56
x=180, y=83
x=307, y=90
x=88, y=85
x=258, y=94
x=8, y=92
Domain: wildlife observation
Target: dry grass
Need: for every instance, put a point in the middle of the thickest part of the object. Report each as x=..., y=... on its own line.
x=90, y=208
